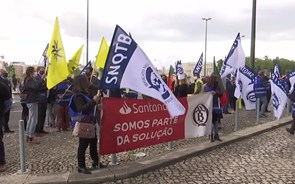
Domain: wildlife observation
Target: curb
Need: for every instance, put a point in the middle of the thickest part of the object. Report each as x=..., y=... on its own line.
x=132, y=169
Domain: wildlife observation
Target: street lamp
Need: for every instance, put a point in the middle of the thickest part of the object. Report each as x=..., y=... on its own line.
x=253, y=35
x=205, y=58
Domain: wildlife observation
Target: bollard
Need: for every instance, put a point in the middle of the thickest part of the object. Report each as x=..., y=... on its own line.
x=114, y=160
x=257, y=109
x=237, y=115
x=22, y=147
x=169, y=146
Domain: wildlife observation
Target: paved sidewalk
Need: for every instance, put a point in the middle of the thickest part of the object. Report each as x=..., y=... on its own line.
x=138, y=167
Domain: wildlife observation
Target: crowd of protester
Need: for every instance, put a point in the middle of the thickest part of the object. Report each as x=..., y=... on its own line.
x=81, y=96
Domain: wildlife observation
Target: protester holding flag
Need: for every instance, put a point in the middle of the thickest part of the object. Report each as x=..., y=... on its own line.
x=260, y=89
x=94, y=81
x=63, y=95
x=82, y=102
x=32, y=87
x=213, y=87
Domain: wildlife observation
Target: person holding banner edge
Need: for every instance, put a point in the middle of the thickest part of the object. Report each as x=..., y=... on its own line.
x=213, y=87
x=81, y=102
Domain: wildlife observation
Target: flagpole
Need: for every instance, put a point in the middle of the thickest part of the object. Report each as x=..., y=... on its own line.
x=87, y=31
x=205, y=58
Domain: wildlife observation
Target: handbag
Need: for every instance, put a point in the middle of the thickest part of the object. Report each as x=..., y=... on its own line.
x=84, y=130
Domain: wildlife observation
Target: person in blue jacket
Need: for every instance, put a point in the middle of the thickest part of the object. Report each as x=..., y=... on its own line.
x=63, y=95
x=82, y=108
x=213, y=87
x=260, y=89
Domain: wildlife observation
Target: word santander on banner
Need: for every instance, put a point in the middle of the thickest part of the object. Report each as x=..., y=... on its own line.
x=124, y=128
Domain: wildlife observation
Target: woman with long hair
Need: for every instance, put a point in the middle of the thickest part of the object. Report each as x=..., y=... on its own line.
x=81, y=103
x=32, y=88
x=213, y=87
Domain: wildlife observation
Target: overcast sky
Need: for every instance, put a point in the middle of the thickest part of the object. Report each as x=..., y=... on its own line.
x=167, y=30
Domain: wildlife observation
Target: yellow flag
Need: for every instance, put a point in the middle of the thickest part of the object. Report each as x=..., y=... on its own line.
x=102, y=54
x=57, y=69
x=73, y=63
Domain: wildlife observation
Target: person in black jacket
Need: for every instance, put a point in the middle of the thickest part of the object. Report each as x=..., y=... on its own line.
x=183, y=88
x=82, y=102
x=4, y=79
x=32, y=87
x=4, y=95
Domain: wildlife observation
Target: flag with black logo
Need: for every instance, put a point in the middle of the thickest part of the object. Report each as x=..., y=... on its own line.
x=245, y=87
x=279, y=96
x=127, y=66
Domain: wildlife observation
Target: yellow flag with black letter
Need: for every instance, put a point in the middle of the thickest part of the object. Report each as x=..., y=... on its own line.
x=102, y=54
x=57, y=69
x=73, y=63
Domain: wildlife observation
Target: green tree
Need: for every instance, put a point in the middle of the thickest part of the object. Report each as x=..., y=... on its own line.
x=10, y=70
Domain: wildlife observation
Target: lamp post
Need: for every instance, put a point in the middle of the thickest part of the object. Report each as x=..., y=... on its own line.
x=205, y=57
x=253, y=35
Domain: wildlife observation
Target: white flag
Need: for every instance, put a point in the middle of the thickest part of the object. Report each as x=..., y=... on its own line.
x=179, y=70
x=225, y=70
x=235, y=58
x=276, y=70
x=278, y=94
x=127, y=66
x=245, y=87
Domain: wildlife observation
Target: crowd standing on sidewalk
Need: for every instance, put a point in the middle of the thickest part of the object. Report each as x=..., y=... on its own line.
x=40, y=105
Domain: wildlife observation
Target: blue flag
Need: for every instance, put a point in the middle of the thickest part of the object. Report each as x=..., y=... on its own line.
x=198, y=67
x=127, y=66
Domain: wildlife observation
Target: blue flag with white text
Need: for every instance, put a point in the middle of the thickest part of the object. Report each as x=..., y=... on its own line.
x=127, y=66
x=198, y=67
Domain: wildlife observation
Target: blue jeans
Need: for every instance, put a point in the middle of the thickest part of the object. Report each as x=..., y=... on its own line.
x=33, y=119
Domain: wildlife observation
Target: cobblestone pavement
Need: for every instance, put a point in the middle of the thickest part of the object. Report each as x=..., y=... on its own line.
x=267, y=158
x=57, y=151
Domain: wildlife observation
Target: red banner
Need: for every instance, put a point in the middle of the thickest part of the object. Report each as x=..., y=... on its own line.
x=130, y=123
